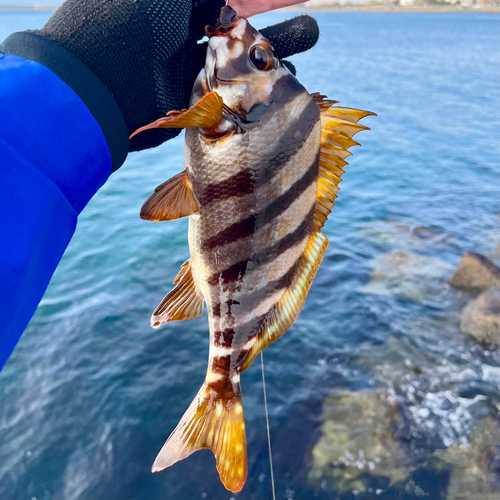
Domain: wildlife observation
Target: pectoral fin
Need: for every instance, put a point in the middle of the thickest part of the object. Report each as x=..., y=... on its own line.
x=206, y=113
x=286, y=311
x=182, y=303
x=171, y=200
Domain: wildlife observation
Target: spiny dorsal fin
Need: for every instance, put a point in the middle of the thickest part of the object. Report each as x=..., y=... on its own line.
x=206, y=113
x=285, y=312
x=338, y=126
x=182, y=303
x=322, y=101
x=171, y=200
x=349, y=114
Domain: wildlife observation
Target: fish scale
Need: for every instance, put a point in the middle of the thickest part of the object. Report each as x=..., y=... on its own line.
x=263, y=160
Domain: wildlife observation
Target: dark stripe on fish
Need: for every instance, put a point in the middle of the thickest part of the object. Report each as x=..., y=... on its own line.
x=248, y=225
x=285, y=89
x=237, y=271
x=246, y=181
x=224, y=386
x=253, y=298
x=224, y=338
x=240, y=184
x=221, y=364
x=216, y=310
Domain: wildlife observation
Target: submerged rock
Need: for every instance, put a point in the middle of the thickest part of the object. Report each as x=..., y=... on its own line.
x=404, y=274
x=481, y=317
x=403, y=234
x=474, y=467
x=357, y=443
x=475, y=272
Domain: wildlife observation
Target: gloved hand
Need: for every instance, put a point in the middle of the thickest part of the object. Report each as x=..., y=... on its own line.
x=146, y=51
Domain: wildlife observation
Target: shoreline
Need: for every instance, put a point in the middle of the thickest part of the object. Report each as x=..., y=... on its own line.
x=435, y=9
x=432, y=9
x=13, y=8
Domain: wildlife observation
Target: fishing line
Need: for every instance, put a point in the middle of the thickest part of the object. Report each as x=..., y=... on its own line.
x=267, y=425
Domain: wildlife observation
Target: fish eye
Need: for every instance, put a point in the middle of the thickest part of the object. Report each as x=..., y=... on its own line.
x=262, y=57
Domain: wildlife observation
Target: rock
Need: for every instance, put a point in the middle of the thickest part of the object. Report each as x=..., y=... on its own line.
x=474, y=466
x=475, y=272
x=404, y=235
x=481, y=317
x=357, y=442
x=404, y=274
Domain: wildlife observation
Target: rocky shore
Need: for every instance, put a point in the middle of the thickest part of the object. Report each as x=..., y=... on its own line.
x=424, y=417
x=481, y=316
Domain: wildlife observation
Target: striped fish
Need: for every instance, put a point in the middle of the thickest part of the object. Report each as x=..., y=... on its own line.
x=263, y=160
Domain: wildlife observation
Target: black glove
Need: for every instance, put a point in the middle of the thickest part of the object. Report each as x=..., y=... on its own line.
x=146, y=54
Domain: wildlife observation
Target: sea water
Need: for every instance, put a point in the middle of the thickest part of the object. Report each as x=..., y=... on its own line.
x=92, y=392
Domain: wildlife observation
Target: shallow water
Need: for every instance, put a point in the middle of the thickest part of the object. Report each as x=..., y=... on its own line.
x=92, y=392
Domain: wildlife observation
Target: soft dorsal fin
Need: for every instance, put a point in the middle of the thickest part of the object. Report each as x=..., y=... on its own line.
x=182, y=303
x=338, y=126
x=171, y=200
x=285, y=312
x=206, y=113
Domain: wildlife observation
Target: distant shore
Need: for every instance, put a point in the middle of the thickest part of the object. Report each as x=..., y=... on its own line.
x=333, y=7
x=350, y=7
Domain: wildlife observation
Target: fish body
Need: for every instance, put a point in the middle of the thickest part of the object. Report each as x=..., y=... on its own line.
x=257, y=192
x=263, y=160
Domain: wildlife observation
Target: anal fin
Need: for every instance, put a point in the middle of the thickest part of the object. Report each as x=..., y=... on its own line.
x=171, y=200
x=182, y=303
x=286, y=311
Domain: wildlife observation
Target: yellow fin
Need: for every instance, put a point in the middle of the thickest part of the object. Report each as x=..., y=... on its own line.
x=182, y=303
x=322, y=102
x=286, y=311
x=349, y=114
x=206, y=113
x=171, y=200
x=214, y=420
x=338, y=126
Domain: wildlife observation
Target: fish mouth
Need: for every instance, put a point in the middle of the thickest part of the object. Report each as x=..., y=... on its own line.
x=213, y=78
x=228, y=18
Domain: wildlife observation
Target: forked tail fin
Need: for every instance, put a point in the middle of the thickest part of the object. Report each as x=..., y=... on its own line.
x=214, y=420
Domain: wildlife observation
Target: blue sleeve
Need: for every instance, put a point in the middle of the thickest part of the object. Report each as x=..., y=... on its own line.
x=53, y=159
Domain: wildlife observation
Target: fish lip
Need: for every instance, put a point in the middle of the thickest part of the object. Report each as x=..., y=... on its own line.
x=228, y=81
x=210, y=85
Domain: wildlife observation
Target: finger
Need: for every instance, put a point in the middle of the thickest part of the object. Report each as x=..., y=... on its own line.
x=247, y=8
x=293, y=36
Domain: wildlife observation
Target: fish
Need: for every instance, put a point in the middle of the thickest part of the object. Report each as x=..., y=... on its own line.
x=263, y=161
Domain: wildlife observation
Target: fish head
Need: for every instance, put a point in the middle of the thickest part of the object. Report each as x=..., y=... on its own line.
x=241, y=65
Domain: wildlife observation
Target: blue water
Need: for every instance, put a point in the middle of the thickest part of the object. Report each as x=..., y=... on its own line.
x=92, y=392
